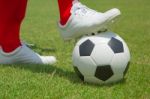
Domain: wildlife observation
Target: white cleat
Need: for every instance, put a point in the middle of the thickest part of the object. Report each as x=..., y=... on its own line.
x=84, y=20
x=24, y=55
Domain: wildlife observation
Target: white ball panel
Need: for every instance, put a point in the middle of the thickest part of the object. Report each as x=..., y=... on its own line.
x=86, y=66
x=99, y=40
x=94, y=39
x=102, y=54
x=119, y=63
x=115, y=78
x=126, y=51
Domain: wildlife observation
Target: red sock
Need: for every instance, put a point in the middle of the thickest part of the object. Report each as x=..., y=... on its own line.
x=11, y=15
x=64, y=9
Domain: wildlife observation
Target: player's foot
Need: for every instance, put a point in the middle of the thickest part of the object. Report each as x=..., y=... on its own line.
x=24, y=55
x=84, y=20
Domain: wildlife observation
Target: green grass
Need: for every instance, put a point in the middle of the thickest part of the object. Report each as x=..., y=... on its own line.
x=60, y=81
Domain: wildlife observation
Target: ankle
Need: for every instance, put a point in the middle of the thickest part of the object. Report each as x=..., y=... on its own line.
x=2, y=52
x=64, y=20
x=64, y=9
x=10, y=48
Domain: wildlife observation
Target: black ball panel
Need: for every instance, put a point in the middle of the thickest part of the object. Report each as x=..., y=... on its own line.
x=103, y=72
x=116, y=45
x=86, y=48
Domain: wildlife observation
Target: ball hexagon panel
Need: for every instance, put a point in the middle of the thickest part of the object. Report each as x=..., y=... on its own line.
x=116, y=45
x=104, y=72
x=126, y=51
x=119, y=63
x=86, y=48
x=102, y=54
x=86, y=65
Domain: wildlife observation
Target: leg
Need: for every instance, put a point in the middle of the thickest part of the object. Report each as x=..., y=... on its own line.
x=13, y=52
x=64, y=9
x=12, y=14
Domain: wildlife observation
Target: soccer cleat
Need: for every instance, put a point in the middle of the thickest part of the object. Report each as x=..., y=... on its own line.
x=84, y=20
x=24, y=55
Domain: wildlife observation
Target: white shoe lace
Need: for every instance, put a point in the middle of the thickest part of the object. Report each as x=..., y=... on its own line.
x=82, y=9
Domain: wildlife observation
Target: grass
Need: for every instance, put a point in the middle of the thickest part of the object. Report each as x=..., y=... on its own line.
x=60, y=81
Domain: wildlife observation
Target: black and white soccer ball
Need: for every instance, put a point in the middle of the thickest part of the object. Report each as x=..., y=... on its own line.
x=101, y=59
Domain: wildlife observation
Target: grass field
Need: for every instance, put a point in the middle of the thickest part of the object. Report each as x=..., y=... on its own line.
x=60, y=81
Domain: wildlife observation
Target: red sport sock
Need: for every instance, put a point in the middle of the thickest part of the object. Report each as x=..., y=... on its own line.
x=11, y=15
x=64, y=9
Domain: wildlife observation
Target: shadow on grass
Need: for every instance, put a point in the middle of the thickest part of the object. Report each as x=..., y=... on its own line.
x=49, y=69
x=56, y=71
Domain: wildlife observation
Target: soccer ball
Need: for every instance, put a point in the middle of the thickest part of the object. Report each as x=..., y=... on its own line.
x=101, y=59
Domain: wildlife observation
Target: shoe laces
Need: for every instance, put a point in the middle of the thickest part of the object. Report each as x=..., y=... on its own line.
x=81, y=9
